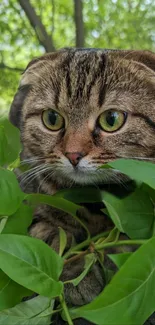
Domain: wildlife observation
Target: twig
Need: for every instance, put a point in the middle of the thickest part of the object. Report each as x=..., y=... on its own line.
x=76, y=257
x=44, y=39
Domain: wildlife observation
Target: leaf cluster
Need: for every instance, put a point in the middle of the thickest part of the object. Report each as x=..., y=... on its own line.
x=28, y=266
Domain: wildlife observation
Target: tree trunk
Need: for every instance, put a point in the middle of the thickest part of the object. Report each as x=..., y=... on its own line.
x=44, y=39
x=79, y=25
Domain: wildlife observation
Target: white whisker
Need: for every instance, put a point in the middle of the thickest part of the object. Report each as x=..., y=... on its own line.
x=136, y=157
x=31, y=160
x=33, y=169
x=44, y=179
x=31, y=175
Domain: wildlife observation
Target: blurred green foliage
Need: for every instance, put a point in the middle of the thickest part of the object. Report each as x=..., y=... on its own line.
x=107, y=24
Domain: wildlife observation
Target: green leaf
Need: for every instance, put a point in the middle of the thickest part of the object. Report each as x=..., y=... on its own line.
x=3, y=146
x=149, y=190
x=151, y=193
x=113, y=236
x=11, y=195
x=9, y=142
x=57, y=202
x=90, y=259
x=63, y=241
x=31, y=263
x=108, y=274
x=80, y=195
x=119, y=259
x=129, y=298
x=3, y=221
x=137, y=170
x=31, y=312
x=133, y=215
x=7, y=289
x=18, y=222
x=111, y=203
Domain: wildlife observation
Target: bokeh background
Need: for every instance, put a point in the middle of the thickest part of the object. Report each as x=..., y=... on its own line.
x=29, y=28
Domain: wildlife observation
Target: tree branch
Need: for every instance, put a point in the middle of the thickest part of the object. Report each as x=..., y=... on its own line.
x=44, y=39
x=53, y=16
x=79, y=25
x=4, y=66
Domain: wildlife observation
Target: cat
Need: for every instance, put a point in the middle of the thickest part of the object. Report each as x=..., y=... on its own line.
x=76, y=110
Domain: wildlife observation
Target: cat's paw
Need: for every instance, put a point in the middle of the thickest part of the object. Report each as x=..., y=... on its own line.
x=90, y=287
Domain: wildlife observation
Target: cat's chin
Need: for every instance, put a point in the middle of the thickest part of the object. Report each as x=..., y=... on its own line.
x=83, y=177
x=85, y=174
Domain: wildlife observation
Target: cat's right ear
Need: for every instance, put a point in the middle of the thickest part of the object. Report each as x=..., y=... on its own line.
x=18, y=101
x=19, y=98
x=17, y=104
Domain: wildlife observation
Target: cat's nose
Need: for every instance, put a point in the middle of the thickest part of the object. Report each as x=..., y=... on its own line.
x=74, y=157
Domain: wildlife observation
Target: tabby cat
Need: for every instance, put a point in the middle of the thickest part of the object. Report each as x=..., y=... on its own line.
x=78, y=109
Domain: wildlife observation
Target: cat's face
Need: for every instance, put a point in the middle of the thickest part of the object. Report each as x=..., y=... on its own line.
x=79, y=109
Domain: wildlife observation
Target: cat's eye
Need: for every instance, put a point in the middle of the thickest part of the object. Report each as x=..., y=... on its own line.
x=53, y=120
x=112, y=120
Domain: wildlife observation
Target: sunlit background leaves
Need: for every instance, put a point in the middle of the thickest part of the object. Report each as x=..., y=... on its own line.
x=106, y=24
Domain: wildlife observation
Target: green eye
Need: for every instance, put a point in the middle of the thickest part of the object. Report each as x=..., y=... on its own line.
x=111, y=120
x=53, y=120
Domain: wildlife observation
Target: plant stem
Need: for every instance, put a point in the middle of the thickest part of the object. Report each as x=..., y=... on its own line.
x=85, y=243
x=105, y=245
x=76, y=257
x=65, y=309
x=120, y=243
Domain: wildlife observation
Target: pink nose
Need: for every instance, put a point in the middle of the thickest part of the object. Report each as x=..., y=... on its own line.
x=74, y=157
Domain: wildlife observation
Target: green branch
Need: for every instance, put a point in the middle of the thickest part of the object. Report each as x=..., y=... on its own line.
x=120, y=243
x=65, y=310
x=85, y=243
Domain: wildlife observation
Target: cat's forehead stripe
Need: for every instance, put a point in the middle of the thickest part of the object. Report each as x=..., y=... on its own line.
x=81, y=72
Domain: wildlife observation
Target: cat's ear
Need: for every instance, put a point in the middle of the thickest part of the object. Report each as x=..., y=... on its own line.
x=145, y=57
x=19, y=98
x=17, y=104
x=148, y=58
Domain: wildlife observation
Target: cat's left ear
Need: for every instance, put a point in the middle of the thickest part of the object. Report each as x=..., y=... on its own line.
x=145, y=57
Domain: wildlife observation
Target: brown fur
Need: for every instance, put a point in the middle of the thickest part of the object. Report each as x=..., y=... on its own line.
x=81, y=84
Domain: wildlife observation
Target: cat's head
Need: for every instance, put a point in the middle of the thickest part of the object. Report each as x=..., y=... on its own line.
x=80, y=108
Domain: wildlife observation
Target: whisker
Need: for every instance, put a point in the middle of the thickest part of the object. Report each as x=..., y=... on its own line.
x=44, y=179
x=30, y=179
x=138, y=158
x=31, y=160
x=31, y=170
x=36, y=170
